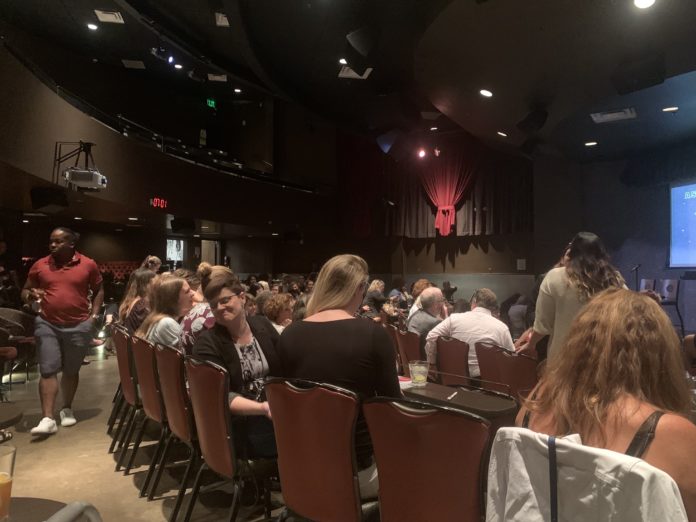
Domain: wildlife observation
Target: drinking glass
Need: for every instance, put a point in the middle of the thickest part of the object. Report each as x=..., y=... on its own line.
x=7, y=462
x=419, y=372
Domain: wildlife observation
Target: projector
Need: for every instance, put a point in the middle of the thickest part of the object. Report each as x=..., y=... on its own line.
x=90, y=179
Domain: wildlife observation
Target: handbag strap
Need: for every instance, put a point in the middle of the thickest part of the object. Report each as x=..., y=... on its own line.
x=553, y=480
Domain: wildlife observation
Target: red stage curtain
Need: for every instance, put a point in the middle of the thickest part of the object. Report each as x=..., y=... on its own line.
x=445, y=179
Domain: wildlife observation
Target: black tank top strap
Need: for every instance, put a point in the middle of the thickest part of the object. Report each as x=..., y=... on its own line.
x=644, y=435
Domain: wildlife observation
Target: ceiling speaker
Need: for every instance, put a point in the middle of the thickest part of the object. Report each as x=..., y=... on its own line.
x=48, y=199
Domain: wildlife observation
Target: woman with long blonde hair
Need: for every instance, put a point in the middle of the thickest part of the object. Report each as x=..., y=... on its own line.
x=170, y=299
x=331, y=345
x=619, y=382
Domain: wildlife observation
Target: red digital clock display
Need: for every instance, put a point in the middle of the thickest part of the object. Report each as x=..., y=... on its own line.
x=158, y=202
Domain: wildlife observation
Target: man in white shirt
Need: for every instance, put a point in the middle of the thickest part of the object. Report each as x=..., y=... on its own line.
x=476, y=326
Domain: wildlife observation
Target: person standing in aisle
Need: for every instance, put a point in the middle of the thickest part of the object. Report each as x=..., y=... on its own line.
x=60, y=284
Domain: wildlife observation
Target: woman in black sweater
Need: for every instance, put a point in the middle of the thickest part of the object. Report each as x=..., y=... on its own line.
x=332, y=346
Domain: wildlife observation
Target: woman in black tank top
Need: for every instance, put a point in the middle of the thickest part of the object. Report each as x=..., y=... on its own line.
x=621, y=355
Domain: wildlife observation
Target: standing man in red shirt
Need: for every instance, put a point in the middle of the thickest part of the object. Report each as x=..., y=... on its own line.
x=61, y=283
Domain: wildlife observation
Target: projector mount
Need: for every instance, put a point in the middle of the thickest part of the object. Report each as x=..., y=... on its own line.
x=84, y=178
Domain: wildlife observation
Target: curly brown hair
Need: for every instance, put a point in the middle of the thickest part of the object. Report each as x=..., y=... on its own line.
x=276, y=304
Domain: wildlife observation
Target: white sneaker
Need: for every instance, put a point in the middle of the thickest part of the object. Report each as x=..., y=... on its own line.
x=67, y=417
x=47, y=426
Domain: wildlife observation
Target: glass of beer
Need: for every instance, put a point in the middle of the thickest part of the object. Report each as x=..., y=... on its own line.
x=7, y=462
x=419, y=372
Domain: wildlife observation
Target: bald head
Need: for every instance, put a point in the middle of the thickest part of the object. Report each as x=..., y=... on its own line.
x=431, y=300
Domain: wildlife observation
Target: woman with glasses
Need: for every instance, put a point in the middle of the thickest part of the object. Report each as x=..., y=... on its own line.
x=245, y=347
x=332, y=346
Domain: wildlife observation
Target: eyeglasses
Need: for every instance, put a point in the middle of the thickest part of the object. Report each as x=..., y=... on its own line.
x=226, y=299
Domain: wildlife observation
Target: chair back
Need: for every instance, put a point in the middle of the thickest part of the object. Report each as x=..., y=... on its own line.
x=393, y=332
x=430, y=460
x=17, y=322
x=517, y=373
x=453, y=361
x=209, y=387
x=409, y=349
x=177, y=403
x=124, y=358
x=315, y=427
x=146, y=371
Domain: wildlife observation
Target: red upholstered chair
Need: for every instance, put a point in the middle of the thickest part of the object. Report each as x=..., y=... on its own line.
x=129, y=387
x=502, y=370
x=177, y=404
x=315, y=426
x=209, y=387
x=431, y=460
x=453, y=361
x=409, y=349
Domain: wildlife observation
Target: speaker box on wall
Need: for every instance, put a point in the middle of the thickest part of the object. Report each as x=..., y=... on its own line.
x=48, y=199
x=183, y=225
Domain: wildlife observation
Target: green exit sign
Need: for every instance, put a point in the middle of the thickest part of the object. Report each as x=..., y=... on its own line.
x=211, y=103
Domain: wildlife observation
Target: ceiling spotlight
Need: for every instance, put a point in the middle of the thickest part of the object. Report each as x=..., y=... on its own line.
x=486, y=93
x=92, y=27
x=132, y=219
x=590, y=144
x=433, y=128
x=238, y=91
x=670, y=109
x=421, y=153
x=343, y=61
x=500, y=133
x=643, y=4
x=178, y=66
x=77, y=218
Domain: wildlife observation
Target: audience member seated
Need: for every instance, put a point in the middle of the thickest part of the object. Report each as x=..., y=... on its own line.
x=374, y=299
x=332, y=346
x=621, y=386
x=448, y=290
x=294, y=290
x=416, y=291
x=309, y=287
x=152, y=263
x=278, y=309
x=200, y=317
x=135, y=306
x=242, y=346
x=299, y=311
x=170, y=299
x=431, y=312
x=505, y=307
x=517, y=316
x=250, y=305
x=586, y=269
x=477, y=326
x=398, y=296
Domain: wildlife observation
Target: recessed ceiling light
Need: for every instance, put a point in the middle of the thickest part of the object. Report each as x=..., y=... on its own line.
x=25, y=221
x=343, y=61
x=196, y=235
x=643, y=4
x=221, y=20
x=204, y=227
x=275, y=234
x=670, y=109
x=421, y=153
x=500, y=133
x=92, y=27
x=170, y=59
x=132, y=219
x=238, y=91
x=486, y=93
x=77, y=218
x=590, y=143
x=178, y=66
x=433, y=128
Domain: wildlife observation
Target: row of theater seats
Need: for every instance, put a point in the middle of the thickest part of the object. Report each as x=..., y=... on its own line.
x=314, y=425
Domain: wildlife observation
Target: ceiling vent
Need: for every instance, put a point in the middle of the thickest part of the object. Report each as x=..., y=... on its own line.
x=221, y=20
x=217, y=77
x=612, y=116
x=347, y=72
x=133, y=64
x=109, y=17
